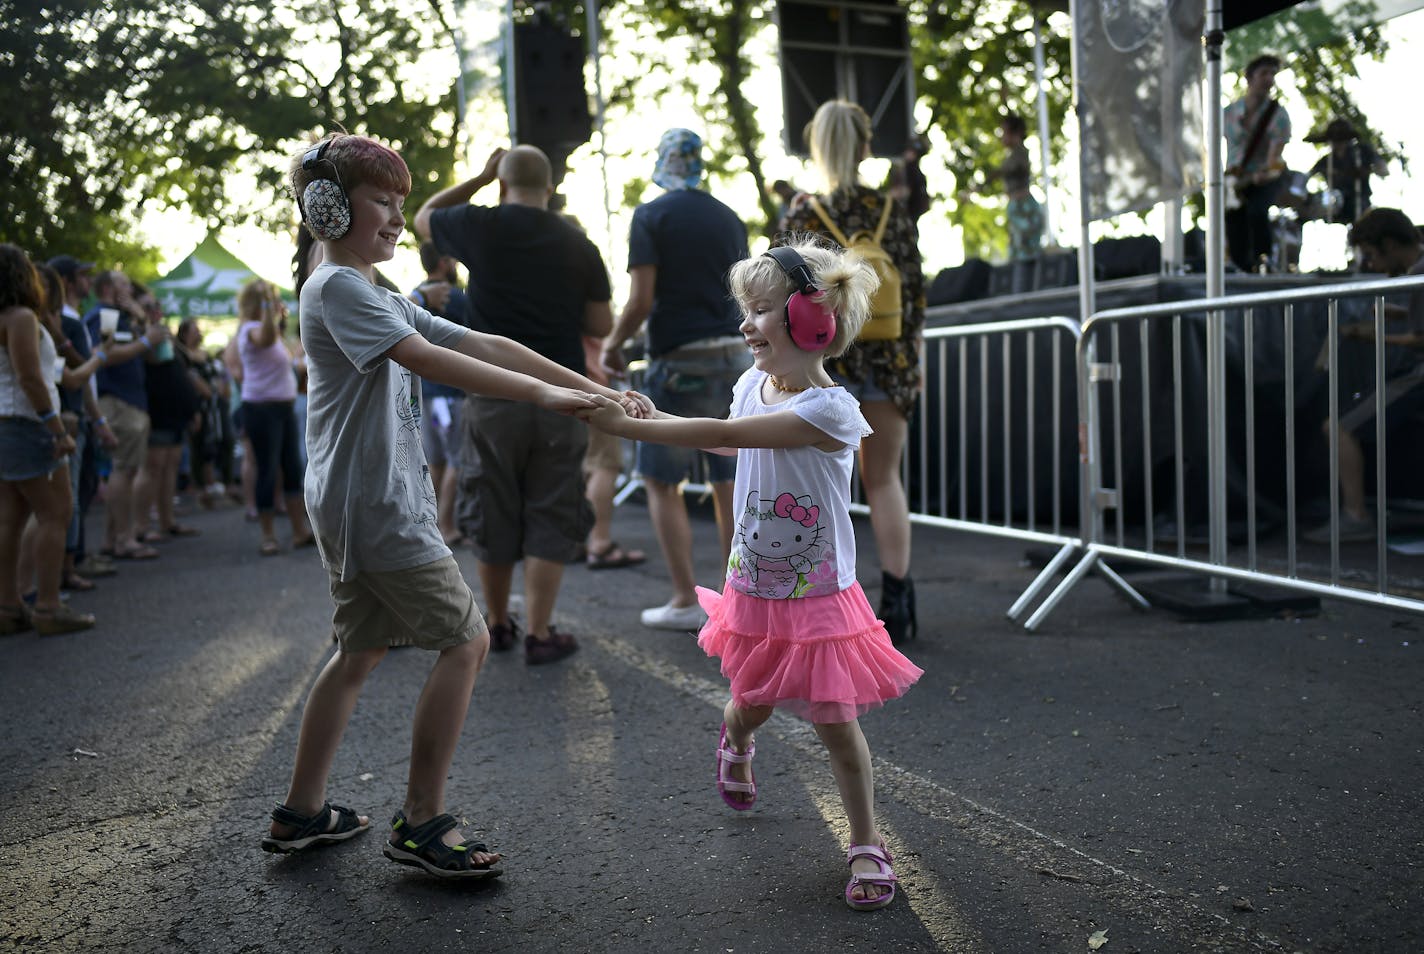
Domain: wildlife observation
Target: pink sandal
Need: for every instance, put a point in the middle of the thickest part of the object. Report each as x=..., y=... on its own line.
x=884, y=878
x=727, y=784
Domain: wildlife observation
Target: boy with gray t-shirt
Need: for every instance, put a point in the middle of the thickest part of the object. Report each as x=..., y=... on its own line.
x=372, y=506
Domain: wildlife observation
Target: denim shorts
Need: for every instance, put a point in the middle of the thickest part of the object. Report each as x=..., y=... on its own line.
x=26, y=449
x=696, y=385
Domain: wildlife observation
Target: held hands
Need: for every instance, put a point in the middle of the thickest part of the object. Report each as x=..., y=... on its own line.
x=157, y=333
x=566, y=400
x=608, y=415
x=637, y=405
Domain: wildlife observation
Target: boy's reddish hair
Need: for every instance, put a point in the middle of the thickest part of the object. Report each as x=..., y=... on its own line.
x=352, y=161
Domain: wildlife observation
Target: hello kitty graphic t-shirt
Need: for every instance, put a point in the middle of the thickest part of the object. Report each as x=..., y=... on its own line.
x=793, y=535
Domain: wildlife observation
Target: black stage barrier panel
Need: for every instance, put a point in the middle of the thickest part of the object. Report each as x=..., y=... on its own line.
x=967, y=282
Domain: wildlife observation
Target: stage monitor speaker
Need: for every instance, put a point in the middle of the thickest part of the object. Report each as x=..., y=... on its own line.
x=1127, y=257
x=858, y=50
x=1012, y=278
x=967, y=282
x=551, y=106
x=1056, y=270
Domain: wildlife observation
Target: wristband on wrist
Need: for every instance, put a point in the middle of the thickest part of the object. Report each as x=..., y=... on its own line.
x=419, y=297
x=102, y=421
x=99, y=353
x=49, y=415
x=147, y=345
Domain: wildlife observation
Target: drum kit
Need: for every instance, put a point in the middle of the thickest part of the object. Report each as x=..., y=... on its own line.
x=1305, y=233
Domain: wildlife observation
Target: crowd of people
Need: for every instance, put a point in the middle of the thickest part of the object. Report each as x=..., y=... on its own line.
x=111, y=402
x=105, y=401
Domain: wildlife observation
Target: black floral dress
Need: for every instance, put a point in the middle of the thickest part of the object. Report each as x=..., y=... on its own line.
x=893, y=366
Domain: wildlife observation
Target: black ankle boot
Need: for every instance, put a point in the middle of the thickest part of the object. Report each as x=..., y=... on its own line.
x=897, y=607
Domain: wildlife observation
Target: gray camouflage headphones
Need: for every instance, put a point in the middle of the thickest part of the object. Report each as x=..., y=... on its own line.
x=324, y=206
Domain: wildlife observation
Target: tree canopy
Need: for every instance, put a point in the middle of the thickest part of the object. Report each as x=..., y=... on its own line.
x=171, y=101
x=165, y=100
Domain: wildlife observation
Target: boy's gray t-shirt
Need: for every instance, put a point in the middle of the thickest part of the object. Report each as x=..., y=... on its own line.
x=368, y=488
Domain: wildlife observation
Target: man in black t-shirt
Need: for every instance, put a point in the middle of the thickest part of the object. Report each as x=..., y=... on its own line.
x=538, y=280
x=680, y=248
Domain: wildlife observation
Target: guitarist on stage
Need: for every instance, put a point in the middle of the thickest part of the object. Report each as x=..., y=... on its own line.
x=1257, y=129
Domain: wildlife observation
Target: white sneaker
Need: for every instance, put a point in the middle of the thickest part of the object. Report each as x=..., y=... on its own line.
x=674, y=617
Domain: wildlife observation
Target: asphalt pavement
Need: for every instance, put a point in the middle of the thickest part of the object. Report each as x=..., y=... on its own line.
x=1119, y=778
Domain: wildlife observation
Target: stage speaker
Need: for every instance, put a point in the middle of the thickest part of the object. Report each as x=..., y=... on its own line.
x=967, y=282
x=857, y=50
x=1056, y=270
x=1127, y=257
x=1012, y=278
x=551, y=107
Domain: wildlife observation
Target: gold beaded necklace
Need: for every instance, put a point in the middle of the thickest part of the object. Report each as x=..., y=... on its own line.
x=785, y=390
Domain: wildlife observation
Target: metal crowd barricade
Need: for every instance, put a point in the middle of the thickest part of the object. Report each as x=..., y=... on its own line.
x=994, y=425
x=1233, y=558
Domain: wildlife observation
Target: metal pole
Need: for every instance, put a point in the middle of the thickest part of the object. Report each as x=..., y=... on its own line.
x=1039, y=70
x=1215, y=196
x=594, y=43
x=510, y=103
x=1086, y=302
x=1215, y=285
x=1089, y=519
x=460, y=93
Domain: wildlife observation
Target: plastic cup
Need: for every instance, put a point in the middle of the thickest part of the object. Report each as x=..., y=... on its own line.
x=108, y=321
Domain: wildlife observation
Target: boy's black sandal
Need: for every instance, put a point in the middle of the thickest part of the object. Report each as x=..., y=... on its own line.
x=420, y=847
x=318, y=829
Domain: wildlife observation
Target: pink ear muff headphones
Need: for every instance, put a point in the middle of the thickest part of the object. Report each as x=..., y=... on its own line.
x=809, y=322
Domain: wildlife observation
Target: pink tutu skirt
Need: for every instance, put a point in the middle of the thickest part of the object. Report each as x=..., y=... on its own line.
x=826, y=658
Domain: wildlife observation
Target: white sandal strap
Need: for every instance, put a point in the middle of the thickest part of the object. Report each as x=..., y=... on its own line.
x=745, y=788
x=727, y=755
x=873, y=852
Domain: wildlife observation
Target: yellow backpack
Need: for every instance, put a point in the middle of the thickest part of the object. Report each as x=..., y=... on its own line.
x=885, y=305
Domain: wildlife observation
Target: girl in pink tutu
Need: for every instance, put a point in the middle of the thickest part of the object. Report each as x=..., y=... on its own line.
x=793, y=627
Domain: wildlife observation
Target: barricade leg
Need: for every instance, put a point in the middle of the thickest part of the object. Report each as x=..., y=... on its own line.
x=1043, y=579
x=1070, y=581
x=1116, y=581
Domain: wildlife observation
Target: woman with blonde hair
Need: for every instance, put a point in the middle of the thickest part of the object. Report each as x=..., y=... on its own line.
x=269, y=418
x=884, y=375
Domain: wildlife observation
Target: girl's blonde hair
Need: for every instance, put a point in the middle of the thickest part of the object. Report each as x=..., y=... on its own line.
x=838, y=135
x=253, y=296
x=845, y=281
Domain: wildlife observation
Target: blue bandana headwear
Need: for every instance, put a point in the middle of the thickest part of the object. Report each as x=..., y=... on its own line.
x=679, y=160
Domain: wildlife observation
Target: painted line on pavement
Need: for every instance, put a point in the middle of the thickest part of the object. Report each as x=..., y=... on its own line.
x=987, y=827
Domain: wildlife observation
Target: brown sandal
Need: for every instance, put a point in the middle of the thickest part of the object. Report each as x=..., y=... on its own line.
x=14, y=619
x=613, y=557
x=60, y=620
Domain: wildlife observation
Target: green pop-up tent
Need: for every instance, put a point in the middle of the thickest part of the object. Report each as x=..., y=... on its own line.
x=206, y=283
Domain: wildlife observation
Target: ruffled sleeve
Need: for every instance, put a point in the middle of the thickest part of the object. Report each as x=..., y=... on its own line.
x=834, y=411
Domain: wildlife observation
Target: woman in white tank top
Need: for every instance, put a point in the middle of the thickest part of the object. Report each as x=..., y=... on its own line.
x=34, y=450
